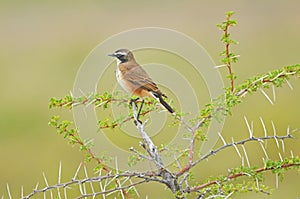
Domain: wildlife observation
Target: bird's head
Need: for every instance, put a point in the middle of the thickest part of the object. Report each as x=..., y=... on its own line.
x=123, y=55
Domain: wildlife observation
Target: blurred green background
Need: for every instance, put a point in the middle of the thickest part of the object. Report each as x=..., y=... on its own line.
x=42, y=45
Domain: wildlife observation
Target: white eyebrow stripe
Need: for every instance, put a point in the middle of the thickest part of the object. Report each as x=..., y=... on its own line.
x=121, y=53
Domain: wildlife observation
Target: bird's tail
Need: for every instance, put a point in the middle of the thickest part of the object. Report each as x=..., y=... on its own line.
x=165, y=104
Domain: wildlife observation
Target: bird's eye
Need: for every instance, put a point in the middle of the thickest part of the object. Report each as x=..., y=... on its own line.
x=120, y=56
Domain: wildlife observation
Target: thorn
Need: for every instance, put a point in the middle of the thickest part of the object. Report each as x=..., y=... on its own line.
x=249, y=129
x=84, y=184
x=247, y=174
x=71, y=94
x=76, y=173
x=278, y=75
x=106, y=181
x=85, y=113
x=124, y=181
x=36, y=186
x=85, y=172
x=92, y=189
x=45, y=179
x=111, y=180
x=276, y=180
x=263, y=125
x=230, y=194
x=292, y=154
x=100, y=183
x=82, y=93
x=100, y=104
x=46, y=182
x=243, y=161
x=274, y=92
x=280, y=157
x=252, y=127
x=22, y=191
x=220, y=66
x=80, y=188
x=91, y=102
x=242, y=92
x=264, y=150
x=275, y=134
x=236, y=56
x=135, y=190
x=246, y=156
x=8, y=191
x=265, y=94
x=288, y=130
x=282, y=144
x=224, y=142
x=65, y=193
x=59, y=172
x=257, y=183
x=145, y=122
x=289, y=84
x=260, y=79
x=235, y=147
x=84, y=188
x=116, y=163
x=295, y=130
x=59, y=179
x=274, y=129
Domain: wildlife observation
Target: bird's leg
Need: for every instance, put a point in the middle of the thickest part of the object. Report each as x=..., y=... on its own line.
x=139, y=112
x=133, y=101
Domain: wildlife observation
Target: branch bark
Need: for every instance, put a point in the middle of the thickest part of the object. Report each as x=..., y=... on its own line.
x=169, y=178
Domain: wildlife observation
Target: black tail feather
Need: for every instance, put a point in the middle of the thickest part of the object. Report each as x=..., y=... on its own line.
x=165, y=104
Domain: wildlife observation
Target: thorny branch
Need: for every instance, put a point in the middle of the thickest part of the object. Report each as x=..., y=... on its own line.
x=266, y=79
x=233, y=144
x=233, y=176
x=168, y=178
x=163, y=175
x=174, y=180
x=146, y=177
x=228, y=55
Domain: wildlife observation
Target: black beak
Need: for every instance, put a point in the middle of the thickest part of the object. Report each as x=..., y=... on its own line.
x=112, y=55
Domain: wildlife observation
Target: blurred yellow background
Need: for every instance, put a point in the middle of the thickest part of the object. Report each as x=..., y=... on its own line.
x=42, y=45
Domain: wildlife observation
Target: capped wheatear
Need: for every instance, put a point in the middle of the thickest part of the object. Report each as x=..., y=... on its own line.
x=135, y=80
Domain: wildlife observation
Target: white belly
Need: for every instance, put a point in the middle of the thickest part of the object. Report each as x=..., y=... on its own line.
x=121, y=81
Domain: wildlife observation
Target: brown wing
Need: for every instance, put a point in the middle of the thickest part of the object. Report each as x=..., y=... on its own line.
x=140, y=79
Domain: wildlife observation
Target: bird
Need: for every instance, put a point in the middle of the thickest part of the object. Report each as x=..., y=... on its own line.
x=135, y=80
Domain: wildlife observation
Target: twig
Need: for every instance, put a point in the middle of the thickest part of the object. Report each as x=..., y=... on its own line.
x=228, y=63
x=242, y=142
x=113, y=190
x=146, y=176
x=233, y=176
x=168, y=178
x=139, y=154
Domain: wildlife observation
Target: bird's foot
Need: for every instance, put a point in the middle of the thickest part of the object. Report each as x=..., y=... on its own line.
x=137, y=121
x=133, y=101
